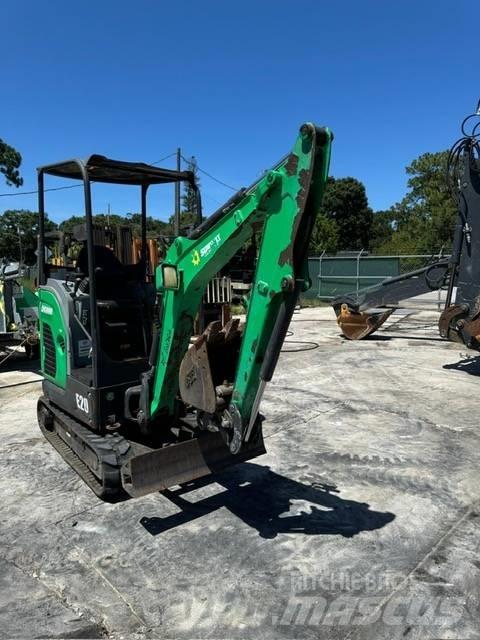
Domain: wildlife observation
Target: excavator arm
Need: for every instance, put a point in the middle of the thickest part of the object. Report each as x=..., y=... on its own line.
x=281, y=208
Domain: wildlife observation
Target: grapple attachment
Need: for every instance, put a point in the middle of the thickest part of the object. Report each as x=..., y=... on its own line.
x=356, y=325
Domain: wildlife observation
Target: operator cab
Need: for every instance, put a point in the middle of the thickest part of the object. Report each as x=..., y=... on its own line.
x=96, y=285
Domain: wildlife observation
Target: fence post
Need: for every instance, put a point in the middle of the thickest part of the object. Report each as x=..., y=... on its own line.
x=358, y=271
x=439, y=290
x=320, y=274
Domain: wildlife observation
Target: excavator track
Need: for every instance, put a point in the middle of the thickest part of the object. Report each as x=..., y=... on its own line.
x=97, y=459
x=115, y=468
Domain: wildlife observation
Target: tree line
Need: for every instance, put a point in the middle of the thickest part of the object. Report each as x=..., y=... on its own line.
x=422, y=222
x=19, y=229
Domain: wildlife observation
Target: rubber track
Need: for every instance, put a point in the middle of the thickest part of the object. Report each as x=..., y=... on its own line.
x=111, y=452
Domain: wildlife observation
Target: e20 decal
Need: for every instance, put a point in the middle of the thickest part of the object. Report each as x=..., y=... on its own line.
x=82, y=403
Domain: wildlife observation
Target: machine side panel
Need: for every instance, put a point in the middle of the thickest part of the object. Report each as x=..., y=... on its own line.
x=54, y=338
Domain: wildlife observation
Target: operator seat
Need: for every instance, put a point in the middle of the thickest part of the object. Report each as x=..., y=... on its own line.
x=120, y=303
x=104, y=259
x=109, y=271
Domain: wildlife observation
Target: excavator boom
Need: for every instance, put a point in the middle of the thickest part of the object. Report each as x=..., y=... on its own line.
x=460, y=319
x=281, y=208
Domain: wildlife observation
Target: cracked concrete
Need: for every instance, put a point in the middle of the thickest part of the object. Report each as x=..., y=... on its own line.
x=367, y=502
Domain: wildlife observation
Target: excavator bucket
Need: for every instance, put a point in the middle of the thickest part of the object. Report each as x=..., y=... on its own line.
x=208, y=368
x=196, y=385
x=356, y=325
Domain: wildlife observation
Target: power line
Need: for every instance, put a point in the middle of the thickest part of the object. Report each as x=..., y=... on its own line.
x=170, y=155
x=217, y=180
x=70, y=186
x=28, y=193
x=207, y=196
x=212, y=177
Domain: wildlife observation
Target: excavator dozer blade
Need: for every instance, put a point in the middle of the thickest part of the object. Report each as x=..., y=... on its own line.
x=180, y=463
x=356, y=325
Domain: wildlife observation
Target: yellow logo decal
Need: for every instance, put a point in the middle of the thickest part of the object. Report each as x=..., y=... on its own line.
x=195, y=258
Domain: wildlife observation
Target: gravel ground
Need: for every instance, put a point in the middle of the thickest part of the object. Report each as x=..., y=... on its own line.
x=361, y=521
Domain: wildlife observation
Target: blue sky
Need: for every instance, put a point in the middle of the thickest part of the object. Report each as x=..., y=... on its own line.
x=230, y=82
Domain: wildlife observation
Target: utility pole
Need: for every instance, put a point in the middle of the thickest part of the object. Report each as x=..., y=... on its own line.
x=19, y=232
x=176, y=223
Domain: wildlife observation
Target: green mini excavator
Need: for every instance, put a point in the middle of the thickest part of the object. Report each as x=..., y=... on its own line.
x=131, y=399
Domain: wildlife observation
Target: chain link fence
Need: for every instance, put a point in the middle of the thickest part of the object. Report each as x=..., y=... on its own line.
x=349, y=272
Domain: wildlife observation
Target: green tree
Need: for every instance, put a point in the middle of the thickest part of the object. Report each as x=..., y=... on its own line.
x=18, y=234
x=325, y=235
x=406, y=238
x=423, y=221
x=188, y=219
x=155, y=228
x=344, y=216
x=382, y=229
x=10, y=161
x=429, y=198
x=103, y=219
x=68, y=224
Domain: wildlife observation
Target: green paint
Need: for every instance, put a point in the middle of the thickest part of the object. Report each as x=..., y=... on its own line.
x=50, y=313
x=276, y=202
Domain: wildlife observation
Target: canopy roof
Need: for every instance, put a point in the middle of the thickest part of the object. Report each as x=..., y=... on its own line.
x=102, y=169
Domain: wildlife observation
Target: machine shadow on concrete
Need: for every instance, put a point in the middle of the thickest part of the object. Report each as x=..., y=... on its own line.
x=272, y=504
x=375, y=337
x=470, y=365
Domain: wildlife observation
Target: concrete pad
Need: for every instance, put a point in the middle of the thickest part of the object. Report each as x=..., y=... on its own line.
x=361, y=521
